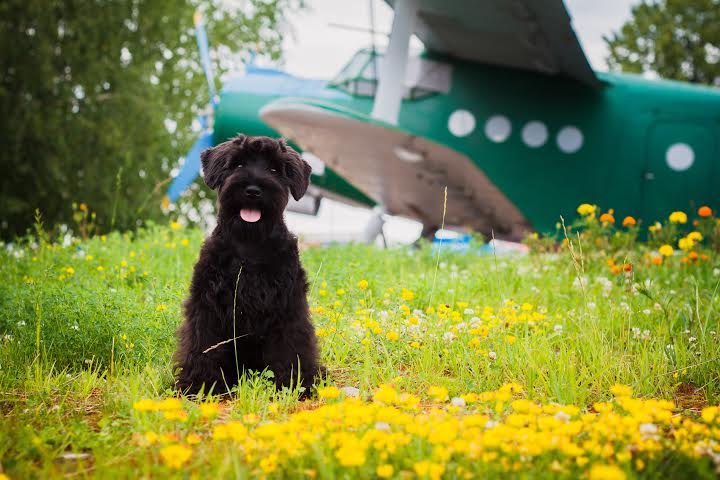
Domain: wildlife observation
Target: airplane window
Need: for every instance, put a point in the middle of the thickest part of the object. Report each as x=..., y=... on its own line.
x=680, y=157
x=534, y=134
x=570, y=139
x=498, y=128
x=423, y=77
x=461, y=123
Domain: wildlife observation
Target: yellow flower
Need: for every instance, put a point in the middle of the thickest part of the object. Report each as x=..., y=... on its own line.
x=184, y=242
x=430, y=469
x=329, y=392
x=678, y=217
x=100, y=268
x=392, y=335
x=621, y=390
x=151, y=438
x=695, y=236
x=384, y=471
x=415, y=344
x=269, y=463
x=340, y=292
x=685, y=243
x=209, y=409
x=161, y=307
x=351, y=455
x=363, y=284
x=407, y=295
x=666, y=250
x=175, y=456
x=175, y=225
x=586, y=209
x=145, y=405
x=439, y=394
x=606, y=472
x=123, y=263
x=510, y=339
x=193, y=439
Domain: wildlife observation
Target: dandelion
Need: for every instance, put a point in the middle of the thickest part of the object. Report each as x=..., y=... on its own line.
x=175, y=456
x=161, y=307
x=705, y=211
x=329, y=392
x=510, y=339
x=695, y=236
x=407, y=295
x=685, y=243
x=439, y=394
x=384, y=471
x=184, y=242
x=629, y=221
x=100, y=268
x=392, y=335
x=606, y=472
x=678, y=217
x=175, y=225
x=415, y=344
x=209, y=409
x=70, y=270
x=363, y=284
x=666, y=250
x=193, y=439
x=621, y=390
x=340, y=292
x=586, y=209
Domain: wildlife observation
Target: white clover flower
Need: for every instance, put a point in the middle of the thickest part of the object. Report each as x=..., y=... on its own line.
x=692, y=339
x=558, y=328
x=647, y=311
x=468, y=311
x=648, y=428
x=75, y=327
x=457, y=401
x=448, y=336
x=21, y=323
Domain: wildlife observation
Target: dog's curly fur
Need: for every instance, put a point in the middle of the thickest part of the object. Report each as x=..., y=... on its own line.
x=272, y=324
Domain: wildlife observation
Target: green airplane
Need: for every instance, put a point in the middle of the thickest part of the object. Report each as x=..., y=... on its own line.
x=499, y=126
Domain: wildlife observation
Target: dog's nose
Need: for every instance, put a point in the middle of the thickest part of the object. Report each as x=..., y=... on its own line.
x=252, y=191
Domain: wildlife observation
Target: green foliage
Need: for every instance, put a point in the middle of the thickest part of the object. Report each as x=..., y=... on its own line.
x=677, y=39
x=86, y=89
x=86, y=330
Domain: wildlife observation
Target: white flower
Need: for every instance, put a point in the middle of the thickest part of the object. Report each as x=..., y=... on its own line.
x=562, y=416
x=558, y=328
x=469, y=311
x=75, y=327
x=492, y=355
x=457, y=401
x=449, y=336
x=591, y=305
x=21, y=323
x=692, y=339
x=490, y=424
x=647, y=311
x=648, y=428
x=657, y=306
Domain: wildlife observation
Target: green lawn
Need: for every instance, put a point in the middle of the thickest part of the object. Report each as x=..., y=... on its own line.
x=466, y=365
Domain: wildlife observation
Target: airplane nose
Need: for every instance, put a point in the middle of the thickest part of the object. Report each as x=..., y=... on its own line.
x=252, y=191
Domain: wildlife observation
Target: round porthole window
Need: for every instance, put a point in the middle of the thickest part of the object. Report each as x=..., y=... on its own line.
x=570, y=139
x=461, y=123
x=498, y=128
x=680, y=157
x=534, y=134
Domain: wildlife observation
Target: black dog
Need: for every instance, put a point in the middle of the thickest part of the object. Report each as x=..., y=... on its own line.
x=247, y=308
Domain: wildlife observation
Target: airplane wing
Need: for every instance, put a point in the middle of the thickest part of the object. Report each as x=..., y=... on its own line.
x=533, y=35
x=405, y=173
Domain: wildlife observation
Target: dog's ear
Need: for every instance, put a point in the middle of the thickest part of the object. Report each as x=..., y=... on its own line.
x=215, y=161
x=297, y=171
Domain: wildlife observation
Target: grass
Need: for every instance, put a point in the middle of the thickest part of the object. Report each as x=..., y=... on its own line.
x=86, y=332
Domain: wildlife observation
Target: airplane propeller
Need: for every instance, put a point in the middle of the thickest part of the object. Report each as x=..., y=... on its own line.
x=191, y=168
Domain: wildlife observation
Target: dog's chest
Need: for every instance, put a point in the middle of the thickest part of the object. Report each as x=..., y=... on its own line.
x=261, y=291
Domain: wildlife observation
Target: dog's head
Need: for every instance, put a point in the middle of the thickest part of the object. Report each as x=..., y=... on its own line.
x=252, y=176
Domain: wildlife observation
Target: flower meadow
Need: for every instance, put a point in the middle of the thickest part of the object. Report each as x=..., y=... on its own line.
x=595, y=356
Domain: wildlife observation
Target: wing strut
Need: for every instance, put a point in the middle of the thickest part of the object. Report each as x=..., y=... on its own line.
x=392, y=77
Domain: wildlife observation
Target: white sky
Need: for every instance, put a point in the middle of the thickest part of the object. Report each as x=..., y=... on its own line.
x=316, y=49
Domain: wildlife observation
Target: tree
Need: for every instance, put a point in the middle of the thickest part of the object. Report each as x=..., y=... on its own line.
x=677, y=39
x=97, y=99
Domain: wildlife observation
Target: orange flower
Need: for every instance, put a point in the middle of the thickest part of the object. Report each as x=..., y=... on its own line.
x=629, y=221
x=616, y=269
x=705, y=211
x=607, y=217
x=627, y=267
x=693, y=255
x=657, y=260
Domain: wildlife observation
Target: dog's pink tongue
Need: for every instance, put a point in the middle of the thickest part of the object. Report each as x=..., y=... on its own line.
x=250, y=214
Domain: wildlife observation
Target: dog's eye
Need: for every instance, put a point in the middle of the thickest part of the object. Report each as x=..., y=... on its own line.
x=273, y=170
x=240, y=165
